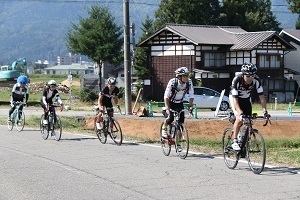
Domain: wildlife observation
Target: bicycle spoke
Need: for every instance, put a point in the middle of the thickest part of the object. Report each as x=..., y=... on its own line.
x=116, y=132
x=20, y=123
x=182, y=141
x=165, y=143
x=44, y=128
x=230, y=155
x=256, y=152
x=57, y=129
x=100, y=133
x=10, y=125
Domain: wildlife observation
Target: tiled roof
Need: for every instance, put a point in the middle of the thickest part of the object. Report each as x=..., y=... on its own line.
x=233, y=36
x=206, y=34
x=249, y=40
x=292, y=33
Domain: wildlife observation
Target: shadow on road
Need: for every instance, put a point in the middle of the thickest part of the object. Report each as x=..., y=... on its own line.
x=275, y=171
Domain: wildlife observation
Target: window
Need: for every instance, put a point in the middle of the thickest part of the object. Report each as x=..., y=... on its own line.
x=214, y=59
x=269, y=61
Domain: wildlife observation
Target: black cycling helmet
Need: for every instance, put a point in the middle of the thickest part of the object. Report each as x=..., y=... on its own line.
x=249, y=69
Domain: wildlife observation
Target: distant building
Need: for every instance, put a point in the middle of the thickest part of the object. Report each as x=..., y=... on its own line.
x=67, y=60
x=73, y=69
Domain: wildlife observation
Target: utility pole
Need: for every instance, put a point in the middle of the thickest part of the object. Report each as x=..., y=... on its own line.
x=127, y=60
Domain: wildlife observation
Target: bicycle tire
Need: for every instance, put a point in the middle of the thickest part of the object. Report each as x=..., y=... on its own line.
x=100, y=133
x=44, y=128
x=56, y=128
x=182, y=141
x=230, y=155
x=10, y=124
x=21, y=121
x=115, y=131
x=256, y=152
x=165, y=143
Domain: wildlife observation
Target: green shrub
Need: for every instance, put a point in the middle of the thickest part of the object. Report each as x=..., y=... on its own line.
x=87, y=95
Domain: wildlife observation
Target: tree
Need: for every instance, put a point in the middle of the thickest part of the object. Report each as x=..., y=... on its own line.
x=141, y=53
x=98, y=37
x=187, y=12
x=255, y=15
x=294, y=6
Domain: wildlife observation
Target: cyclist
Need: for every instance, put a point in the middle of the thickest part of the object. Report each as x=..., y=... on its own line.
x=109, y=92
x=49, y=92
x=173, y=97
x=241, y=88
x=20, y=92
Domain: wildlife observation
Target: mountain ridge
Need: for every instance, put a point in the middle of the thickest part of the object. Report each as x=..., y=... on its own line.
x=37, y=29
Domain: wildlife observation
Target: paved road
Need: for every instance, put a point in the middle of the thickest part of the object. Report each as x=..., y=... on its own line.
x=37, y=111
x=80, y=167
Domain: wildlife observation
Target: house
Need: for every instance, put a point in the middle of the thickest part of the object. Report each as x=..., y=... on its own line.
x=73, y=69
x=292, y=59
x=214, y=54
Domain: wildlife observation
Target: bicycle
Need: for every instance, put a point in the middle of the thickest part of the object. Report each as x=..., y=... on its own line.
x=178, y=136
x=17, y=117
x=110, y=126
x=251, y=143
x=54, y=123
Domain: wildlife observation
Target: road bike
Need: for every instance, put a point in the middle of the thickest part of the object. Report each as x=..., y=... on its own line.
x=251, y=142
x=110, y=126
x=178, y=136
x=17, y=117
x=53, y=126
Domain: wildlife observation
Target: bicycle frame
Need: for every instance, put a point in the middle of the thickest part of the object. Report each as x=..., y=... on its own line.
x=54, y=124
x=179, y=137
x=16, y=117
x=110, y=126
x=252, y=145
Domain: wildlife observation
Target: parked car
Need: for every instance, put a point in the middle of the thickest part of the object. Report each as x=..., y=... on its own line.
x=208, y=98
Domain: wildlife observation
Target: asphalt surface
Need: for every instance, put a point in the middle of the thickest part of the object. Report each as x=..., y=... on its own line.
x=79, y=167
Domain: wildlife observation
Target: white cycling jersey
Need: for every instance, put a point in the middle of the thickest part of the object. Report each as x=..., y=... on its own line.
x=177, y=95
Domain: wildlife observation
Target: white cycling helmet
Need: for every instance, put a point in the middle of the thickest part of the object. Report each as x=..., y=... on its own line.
x=181, y=71
x=51, y=82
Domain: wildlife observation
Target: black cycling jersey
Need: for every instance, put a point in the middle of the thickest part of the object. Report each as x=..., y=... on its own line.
x=239, y=89
x=242, y=91
x=106, y=101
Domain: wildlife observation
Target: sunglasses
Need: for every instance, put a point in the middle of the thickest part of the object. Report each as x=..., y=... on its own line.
x=185, y=75
x=249, y=76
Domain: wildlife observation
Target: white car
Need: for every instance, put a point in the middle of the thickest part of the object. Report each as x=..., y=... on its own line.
x=208, y=98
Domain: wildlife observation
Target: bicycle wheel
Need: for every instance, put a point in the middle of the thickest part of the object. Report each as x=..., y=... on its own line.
x=20, y=123
x=56, y=128
x=165, y=143
x=182, y=141
x=11, y=123
x=100, y=133
x=256, y=152
x=44, y=128
x=230, y=155
x=115, y=131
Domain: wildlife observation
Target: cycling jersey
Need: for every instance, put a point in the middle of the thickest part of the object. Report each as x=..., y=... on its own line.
x=18, y=93
x=48, y=96
x=176, y=95
x=106, y=100
x=239, y=89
